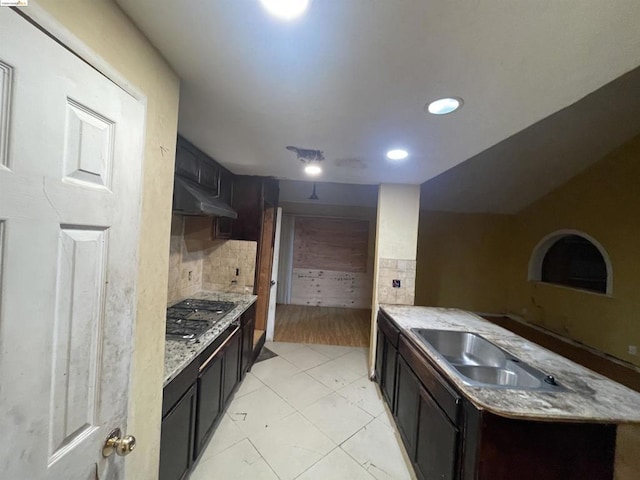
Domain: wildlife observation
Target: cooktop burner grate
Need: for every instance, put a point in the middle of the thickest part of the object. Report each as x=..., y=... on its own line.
x=210, y=305
x=190, y=318
x=183, y=329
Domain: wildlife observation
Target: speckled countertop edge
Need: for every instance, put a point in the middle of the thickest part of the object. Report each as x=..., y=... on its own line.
x=589, y=396
x=177, y=355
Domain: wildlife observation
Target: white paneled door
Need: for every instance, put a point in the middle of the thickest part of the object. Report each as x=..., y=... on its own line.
x=70, y=161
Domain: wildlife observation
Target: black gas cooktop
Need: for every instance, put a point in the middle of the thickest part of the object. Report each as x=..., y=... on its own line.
x=190, y=318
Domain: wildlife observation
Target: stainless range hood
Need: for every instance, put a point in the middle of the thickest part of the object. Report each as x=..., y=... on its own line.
x=191, y=198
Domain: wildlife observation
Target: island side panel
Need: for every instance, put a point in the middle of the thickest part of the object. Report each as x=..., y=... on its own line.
x=627, y=461
x=532, y=450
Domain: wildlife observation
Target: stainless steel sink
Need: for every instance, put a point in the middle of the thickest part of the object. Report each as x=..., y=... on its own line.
x=481, y=363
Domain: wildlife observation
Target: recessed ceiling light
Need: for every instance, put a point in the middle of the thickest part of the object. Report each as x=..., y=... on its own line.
x=286, y=9
x=397, y=154
x=312, y=169
x=442, y=106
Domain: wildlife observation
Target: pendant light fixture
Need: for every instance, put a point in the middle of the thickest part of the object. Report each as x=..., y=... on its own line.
x=313, y=195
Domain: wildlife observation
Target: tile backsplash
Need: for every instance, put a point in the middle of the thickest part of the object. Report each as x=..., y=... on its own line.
x=391, y=269
x=229, y=266
x=212, y=268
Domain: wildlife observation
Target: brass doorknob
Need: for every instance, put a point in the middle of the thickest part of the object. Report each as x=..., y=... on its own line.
x=116, y=443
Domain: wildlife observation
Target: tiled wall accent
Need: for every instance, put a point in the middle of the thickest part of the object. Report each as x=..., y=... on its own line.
x=181, y=263
x=213, y=268
x=220, y=262
x=391, y=269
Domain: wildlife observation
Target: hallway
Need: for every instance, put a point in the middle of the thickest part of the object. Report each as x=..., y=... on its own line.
x=308, y=413
x=322, y=325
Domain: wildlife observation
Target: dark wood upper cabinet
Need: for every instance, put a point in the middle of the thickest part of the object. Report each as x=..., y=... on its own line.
x=251, y=195
x=194, y=164
x=247, y=202
x=186, y=160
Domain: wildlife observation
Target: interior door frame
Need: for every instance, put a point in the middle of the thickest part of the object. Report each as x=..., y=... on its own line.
x=50, y=26
x=271, y=319
x=47, y=23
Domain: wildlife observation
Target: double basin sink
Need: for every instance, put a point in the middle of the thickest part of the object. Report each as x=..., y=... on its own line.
x=478, y=362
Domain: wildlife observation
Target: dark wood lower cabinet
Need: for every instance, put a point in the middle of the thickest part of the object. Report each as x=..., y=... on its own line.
x=196, y=399
x=248, y=322
x=209, y=401
x=407, y=399
x=231, y=367
x=387, y=350
x=178, y=433
x=389, y=373
x=437, y=441
x=447, y=437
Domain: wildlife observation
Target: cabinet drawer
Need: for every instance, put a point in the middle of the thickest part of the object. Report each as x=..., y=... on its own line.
x=388, y=328
x=446, y=397
x=176, y=388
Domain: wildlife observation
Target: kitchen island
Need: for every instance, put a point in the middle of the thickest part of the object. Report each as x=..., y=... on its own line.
x=455, y=429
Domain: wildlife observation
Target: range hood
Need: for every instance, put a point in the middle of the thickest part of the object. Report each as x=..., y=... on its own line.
x=191, y=198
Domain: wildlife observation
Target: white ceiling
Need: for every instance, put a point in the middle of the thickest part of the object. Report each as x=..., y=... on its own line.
x=352, y=76
x=512, y=174
x=329, y=194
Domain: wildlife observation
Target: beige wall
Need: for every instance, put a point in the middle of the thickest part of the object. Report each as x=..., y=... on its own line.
x=102, y=26
x=396, y=244
x=480, y=262
x=395, y=251
x=398, y=212
x=463, y=260
x=185, y=265
x=604, y=202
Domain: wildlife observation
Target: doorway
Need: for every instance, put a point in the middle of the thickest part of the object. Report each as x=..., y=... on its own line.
x=324, y=280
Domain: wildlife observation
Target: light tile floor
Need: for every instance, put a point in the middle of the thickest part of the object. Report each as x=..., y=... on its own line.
x=310, y=413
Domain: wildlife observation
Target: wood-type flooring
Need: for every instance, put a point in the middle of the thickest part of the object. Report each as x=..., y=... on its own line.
x=322, y=325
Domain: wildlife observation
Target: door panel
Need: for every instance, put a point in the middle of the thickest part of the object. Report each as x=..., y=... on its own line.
x=75, y=390
x=70, y=159
x=89, y=146
x=5, y=100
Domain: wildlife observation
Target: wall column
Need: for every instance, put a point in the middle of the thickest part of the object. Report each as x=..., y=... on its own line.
x=395, y=254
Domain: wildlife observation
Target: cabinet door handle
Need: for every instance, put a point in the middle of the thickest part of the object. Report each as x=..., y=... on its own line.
x=208, y=360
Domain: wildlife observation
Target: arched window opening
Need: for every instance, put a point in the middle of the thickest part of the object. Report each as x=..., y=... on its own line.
x=571, y=259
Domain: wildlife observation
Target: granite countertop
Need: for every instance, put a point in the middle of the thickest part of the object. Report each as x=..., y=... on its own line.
x=588, y=396
x=177, y=354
